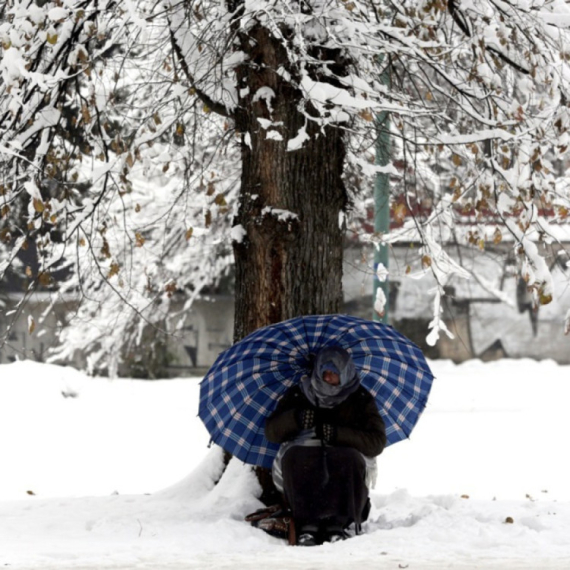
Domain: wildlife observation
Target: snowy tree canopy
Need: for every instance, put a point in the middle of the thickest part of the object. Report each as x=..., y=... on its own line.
x=121, y=126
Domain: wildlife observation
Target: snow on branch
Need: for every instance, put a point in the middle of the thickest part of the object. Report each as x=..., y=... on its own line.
x=534, y=269
x=118, y=126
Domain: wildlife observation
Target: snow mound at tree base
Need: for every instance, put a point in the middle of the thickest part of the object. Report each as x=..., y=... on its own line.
x=199, y=524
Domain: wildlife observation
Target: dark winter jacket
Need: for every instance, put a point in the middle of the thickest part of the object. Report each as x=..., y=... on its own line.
x=356, y=421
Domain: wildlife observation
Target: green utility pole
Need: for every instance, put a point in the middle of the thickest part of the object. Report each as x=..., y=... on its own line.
x=382, y=200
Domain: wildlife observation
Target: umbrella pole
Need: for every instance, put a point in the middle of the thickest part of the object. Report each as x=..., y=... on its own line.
x=326, y=475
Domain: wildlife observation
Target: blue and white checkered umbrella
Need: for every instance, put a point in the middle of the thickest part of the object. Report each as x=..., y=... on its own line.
x=243, y=386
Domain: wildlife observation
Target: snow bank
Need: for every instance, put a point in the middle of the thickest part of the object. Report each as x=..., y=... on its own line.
x=482, y=483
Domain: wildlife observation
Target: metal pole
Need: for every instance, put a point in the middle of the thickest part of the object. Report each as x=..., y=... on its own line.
x=382, y=201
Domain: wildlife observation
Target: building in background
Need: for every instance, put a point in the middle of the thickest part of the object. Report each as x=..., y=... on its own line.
x=489, y=314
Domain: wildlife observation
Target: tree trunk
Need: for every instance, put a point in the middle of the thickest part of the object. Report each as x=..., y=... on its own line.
x=290, y=260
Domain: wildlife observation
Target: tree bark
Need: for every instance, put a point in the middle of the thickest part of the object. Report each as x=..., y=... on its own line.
x=289, y=262
x=286, y=265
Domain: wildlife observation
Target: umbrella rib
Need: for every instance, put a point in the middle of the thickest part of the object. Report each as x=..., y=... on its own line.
x=260, y=356
x=412, y=397
x=269, y=344
x=403, y=387
x=342, y=329
x=286, y=332
x=295, y=369
x=397, y=358
x=394, y=422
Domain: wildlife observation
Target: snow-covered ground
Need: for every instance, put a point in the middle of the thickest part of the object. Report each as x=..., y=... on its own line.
x=99, y=474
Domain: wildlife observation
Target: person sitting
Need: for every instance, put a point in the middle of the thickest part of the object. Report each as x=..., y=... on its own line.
x=329, y=428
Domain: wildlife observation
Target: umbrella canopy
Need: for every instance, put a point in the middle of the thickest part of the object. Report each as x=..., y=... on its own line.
x=245, y=383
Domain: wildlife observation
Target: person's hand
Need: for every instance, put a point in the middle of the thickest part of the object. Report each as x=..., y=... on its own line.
x=326, y=432
x=306, y=418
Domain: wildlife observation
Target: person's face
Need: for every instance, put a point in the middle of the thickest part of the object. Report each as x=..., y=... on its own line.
x=331, y=377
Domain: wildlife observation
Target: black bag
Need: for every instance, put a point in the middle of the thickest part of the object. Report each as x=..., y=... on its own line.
x=275, y=520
